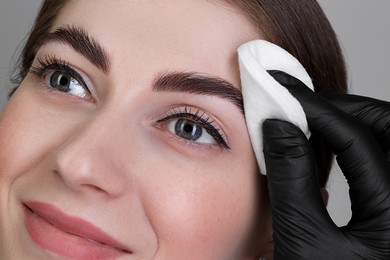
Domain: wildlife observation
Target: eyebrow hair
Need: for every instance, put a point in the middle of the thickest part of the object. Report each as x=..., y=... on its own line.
x=82, y=42
x=188, y=82
x=195, y=83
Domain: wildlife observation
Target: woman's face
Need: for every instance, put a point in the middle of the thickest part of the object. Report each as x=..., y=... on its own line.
x=122, y=141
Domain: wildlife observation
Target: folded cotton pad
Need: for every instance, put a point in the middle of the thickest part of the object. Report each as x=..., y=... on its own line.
x=263, y=96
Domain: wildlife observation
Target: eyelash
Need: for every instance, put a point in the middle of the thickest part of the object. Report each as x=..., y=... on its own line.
x=53, y=64
x=200, y=118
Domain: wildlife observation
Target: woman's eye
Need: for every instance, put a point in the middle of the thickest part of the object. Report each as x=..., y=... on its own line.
x=64, y=82
x=190, y=130
x=193, y=125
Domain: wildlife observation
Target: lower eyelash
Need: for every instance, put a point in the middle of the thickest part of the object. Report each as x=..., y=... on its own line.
x=51, y=63
x=200, y=118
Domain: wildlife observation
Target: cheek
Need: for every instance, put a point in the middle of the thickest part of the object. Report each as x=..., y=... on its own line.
x=207, y=212
x=28, y=130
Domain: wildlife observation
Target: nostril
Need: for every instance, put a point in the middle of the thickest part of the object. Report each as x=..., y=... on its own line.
x=83, y=186
x=95, y=188
x=84, y=166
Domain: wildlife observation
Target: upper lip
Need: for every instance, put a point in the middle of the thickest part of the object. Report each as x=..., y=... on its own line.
x=74, y=225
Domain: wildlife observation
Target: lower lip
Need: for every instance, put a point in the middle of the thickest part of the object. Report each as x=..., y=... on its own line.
x=65, y=244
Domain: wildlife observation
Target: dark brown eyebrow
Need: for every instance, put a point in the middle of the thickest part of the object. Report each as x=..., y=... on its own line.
x=81, y=42
x=199, y=84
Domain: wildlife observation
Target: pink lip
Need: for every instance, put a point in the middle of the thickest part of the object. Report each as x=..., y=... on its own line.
x=69, y=236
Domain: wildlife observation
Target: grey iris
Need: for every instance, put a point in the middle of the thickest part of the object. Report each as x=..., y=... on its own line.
x=188, y=129
x=60, y=81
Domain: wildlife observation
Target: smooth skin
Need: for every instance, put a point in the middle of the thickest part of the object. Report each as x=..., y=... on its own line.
x=103, y=157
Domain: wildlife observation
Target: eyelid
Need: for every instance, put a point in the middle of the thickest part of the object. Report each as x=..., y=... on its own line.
x=200, y=117
x=50, y=63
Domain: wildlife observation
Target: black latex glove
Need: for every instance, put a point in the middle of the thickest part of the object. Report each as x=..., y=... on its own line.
x=302, y=226
x=374, y=113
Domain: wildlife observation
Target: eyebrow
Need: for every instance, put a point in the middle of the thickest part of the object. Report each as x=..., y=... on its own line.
x=199, y=84
x=80, y=41
x=187, y=82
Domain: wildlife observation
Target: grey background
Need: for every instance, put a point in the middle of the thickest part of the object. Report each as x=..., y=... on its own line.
x=362, y=27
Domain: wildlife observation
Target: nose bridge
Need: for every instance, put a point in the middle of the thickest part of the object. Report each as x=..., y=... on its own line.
x=91, y=157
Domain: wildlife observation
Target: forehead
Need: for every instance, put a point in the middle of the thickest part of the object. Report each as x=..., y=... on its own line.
x=190, y=35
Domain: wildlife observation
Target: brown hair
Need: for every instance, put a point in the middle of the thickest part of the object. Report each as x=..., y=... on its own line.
x=298, y=26
x=42, y=25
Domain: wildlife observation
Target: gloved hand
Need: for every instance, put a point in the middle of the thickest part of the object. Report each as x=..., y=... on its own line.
x=374, y=113
x=302, y=226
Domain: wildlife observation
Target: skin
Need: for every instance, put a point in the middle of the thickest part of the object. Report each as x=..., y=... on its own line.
x=104, y=158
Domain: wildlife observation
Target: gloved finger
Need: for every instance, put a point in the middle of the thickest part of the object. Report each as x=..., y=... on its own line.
x=372, y=112
x=358, y=154
x=298, y=211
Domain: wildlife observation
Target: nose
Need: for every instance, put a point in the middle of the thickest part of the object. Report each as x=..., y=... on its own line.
x=91, y=159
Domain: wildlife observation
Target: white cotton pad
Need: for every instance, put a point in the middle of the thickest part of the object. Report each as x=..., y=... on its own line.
x=264, y=97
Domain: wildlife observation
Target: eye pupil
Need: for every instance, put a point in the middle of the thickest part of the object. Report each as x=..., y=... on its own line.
x=63, y=81
x=60, y=81
x=188, y=130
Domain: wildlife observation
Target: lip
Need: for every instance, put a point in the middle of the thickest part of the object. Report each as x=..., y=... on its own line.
x=67, y=235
